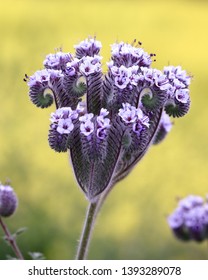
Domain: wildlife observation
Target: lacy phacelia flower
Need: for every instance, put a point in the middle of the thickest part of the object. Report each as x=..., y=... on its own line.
x=8, y=200
x=189, y=221
x=57, y=61
x=107, y=121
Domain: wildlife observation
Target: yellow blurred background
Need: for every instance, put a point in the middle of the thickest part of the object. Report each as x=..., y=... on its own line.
x=132, y=223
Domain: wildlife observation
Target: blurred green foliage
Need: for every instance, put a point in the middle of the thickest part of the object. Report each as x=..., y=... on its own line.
x=132, y=223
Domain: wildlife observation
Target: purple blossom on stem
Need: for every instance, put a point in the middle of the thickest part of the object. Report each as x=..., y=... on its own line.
x=88, y=47
x=8, y=200
x=128, y=55
x=182, y=95
x=103, y=124
x=72, y=67
x=108, y=121
x=190, y=219
x=87, y=127
x=86, y=117
x=65, y=126
x=57, y=61
x=63, y=113
x=90, y=65
x=44, y=77
x=154, y=77
x=179, y=81
x=130, y=114
x=111, y=118
x=81, y=108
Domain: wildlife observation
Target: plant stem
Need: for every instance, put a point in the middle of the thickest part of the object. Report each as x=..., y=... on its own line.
x=87, y=231
x=11, y=240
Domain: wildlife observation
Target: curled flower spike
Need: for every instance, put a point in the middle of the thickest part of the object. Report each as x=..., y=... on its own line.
x=178, y=101
x=189, y=221
x=108, y=121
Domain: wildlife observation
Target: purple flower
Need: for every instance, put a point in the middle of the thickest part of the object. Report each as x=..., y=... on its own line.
x=88, y=47
x=43, y=77
x=103, y=122
x=175, y=220
x=182, y=95
x=190, y=219
x=101, y=133
x=57, y=61
x=65, y=126
x=86, y=117
x=179, y=81
x=62, y=120
x=121, y=77
x=104, y=112
x=191, y=201
x=8, y=200
x=173, y=72
x=90, y=65
x=130, y=114
x=87, y=127
x=63, y=113
x=128, y=55
x=81, y=108
x=155, y=77
x=72, y=67
x=107, y=121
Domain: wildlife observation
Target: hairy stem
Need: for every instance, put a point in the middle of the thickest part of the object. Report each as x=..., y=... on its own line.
x=11, y=240
x=87, y=231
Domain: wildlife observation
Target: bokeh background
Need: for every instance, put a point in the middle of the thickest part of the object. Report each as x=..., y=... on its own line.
x=132, y=223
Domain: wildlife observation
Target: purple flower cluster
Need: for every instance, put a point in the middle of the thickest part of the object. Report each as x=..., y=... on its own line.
x=189, y=221
x=90, y=124
x=62, y=120
x=107, y=121
x=88, y=47
x=44, y=78
x=57, y=61
x=8, y=200
x=178, y=90
x=129, y=55
x=132, y=115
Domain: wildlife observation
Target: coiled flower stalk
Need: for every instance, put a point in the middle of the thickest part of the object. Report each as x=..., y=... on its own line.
x=107, y=121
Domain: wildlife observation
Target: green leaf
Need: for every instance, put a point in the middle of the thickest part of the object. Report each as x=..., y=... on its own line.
x=21, y=230
x=10, y=257
x=36, y=255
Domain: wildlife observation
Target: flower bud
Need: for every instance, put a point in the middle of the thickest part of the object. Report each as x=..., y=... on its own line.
x=8, y=200
x=189, y=221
